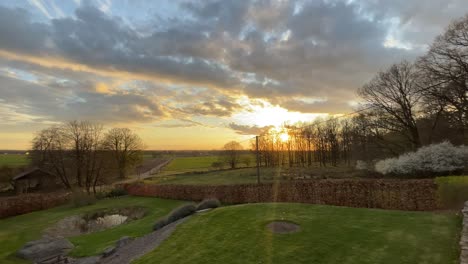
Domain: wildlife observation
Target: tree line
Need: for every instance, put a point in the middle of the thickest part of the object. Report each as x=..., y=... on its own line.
x=82, y=154
x=406, y=106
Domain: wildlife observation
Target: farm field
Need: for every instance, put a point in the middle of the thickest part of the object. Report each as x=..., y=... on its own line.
x=13, y=160
x=190, y=164
x=16, y=231
x=238, y=234
x=237, y=176
x=249, y=175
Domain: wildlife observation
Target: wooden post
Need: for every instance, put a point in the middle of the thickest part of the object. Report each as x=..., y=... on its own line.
x=258, y=159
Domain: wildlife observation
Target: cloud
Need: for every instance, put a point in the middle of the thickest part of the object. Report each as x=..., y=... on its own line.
x=67, y=101
x=199, y=62
x=249, y=130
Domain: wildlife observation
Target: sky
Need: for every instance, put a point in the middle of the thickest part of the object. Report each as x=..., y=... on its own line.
x=187, y=74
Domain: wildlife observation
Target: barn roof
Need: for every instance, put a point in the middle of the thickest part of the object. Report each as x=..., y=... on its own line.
x=28, y=172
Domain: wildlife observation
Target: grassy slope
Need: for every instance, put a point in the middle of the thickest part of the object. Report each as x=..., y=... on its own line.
x=16, y=231
x=237, y=234
x=238, y=176
x=13, y=160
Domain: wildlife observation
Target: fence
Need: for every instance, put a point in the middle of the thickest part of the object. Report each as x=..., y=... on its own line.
x=411, y=195
x=27, y=203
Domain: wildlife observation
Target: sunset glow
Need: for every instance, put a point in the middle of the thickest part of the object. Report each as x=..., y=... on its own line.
x=195, y=74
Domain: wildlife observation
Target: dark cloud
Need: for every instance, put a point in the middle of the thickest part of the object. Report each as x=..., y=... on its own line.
x=19, y=33
x=275, y=50
x=67, y=101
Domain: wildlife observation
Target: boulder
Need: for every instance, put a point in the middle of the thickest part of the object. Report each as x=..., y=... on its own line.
x=109, y=251
x=123, y=241
x=87, y=260
x=44, y=249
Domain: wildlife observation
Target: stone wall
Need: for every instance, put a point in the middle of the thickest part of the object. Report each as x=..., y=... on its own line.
x=464, y=236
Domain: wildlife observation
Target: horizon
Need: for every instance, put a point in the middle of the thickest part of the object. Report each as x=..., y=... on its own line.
x=193, y=75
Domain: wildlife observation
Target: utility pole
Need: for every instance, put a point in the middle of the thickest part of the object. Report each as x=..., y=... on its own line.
x=258, y=159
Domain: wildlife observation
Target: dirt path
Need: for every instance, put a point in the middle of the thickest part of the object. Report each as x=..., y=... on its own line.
x=142, y=245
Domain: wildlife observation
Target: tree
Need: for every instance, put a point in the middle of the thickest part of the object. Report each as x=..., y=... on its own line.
x=394, y=95
x=51, y=152
x=445, y=68
x=231, y=153
x=246, y=160
x=126, y=147
x=74, y=152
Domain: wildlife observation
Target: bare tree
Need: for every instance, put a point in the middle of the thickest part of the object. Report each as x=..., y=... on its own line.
x=445, y=68
x=126, y=147
x=232, y=153
x=395, y=95
x=50, y=152
x=72, y=151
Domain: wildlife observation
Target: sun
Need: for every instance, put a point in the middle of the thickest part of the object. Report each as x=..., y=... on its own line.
x=284, y=137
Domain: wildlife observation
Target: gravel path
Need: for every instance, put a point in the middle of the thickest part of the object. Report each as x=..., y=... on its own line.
x=142, y=245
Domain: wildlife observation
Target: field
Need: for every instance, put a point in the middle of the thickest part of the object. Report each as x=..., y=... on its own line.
x=190, y=164
x=237, y=176
x=237, y=234
x=16, y=231
x=249, y=175
x=13, y=160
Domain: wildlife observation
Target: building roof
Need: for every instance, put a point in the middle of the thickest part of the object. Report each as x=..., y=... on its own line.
x=27, y=172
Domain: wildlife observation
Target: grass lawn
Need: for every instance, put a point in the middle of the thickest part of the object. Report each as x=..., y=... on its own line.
x=13, y=160
x=238, y=176
x=16, y=231
x=237, y=234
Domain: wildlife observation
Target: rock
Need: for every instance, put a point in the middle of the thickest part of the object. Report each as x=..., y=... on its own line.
x=123, y=241
x=108, y=251
x=45, y=249
x=88, y=260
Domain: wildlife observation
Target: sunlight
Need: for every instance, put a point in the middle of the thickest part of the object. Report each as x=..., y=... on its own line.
x=262, y=113
x=284, y=137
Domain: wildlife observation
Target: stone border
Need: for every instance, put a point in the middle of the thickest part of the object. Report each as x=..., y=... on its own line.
x=464, y=236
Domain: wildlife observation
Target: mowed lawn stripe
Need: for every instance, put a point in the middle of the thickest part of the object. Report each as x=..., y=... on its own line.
x=237, y=234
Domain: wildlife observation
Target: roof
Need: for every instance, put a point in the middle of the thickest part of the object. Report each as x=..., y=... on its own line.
x=27, y=172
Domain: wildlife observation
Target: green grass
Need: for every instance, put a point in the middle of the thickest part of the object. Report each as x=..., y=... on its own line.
x=14, y=160
x=238, y=176
x=190, y=164
x=184, y=164
x=249, y=175
x=237, y=234
x=16, y=231
x=452, y=191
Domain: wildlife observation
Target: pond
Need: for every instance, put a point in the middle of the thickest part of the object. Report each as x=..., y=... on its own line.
x=94, y=221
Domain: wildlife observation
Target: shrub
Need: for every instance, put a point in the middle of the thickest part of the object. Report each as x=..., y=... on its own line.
x=432, y=160
x=80, y=198
x=176, y=214
x=119, y=191
x=181, y=212
x=452, y=191
x=208, y=203
x=217, y=165
x=362, y=165
x=162, y=222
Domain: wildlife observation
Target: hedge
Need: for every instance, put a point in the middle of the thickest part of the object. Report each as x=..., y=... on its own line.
x=410, y=195
x=26, y=203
